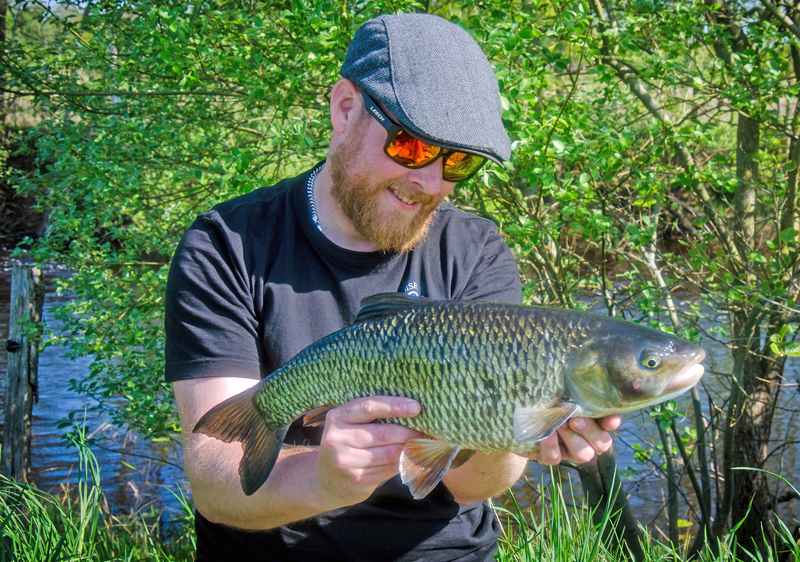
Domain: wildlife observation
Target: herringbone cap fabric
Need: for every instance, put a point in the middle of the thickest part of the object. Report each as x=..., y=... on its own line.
x=434, y=78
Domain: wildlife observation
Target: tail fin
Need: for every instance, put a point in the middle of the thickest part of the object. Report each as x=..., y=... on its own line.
x=237, y=419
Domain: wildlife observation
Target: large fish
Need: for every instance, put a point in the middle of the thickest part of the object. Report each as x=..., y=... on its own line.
x=489, y=377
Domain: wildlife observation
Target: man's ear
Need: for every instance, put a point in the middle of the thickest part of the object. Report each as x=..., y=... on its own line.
x=345, y=105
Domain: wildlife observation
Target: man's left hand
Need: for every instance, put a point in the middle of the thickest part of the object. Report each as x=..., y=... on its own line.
x=578, y=440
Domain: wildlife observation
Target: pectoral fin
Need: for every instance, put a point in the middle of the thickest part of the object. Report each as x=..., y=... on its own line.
x=534, y=424
x=423, y=464
x=463, y=456
x=316, y=417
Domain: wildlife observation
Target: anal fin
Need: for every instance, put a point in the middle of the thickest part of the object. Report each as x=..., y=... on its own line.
x=534, y=424
x=423, y=464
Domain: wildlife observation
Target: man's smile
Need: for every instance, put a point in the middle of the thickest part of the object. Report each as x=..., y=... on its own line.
x=402, y=197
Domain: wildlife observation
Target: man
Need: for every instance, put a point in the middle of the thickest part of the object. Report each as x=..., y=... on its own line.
x=258, y=278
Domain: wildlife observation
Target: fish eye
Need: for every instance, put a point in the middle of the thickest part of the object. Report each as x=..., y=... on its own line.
x=650, y=359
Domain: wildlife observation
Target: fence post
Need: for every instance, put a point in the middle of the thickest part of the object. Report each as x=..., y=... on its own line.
x=27, y=300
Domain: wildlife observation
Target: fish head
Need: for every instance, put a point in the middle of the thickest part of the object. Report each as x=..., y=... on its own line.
x=631, y=368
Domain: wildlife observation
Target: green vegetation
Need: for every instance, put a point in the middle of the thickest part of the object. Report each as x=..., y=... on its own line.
x=39, y=527
x=657, y=159
x=36, y=527
x=566, y=530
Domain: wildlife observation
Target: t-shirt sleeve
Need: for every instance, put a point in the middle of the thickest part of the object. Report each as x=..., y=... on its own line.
x=494, y=276
x=211, y=324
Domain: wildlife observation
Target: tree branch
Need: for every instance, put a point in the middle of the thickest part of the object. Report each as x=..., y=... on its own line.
x=122, y=93
x=783, y=18
x=625, y=74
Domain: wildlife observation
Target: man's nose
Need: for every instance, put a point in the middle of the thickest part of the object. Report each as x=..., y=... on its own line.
x=429, y=179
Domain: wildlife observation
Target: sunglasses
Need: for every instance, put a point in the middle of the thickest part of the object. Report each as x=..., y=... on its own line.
x=413, y=153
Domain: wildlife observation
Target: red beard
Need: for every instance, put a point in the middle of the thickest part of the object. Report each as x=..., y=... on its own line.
x=358, y=198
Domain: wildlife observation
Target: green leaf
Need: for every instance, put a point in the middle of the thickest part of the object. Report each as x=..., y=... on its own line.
x=792, y=349
x=789, y=235
x=497, y=171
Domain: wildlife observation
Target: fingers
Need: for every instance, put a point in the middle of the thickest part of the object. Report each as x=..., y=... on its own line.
x=367, y=410
x=365, y=436
x=355, y=454
x=354, y=459
x=579, y=440
x=350, y=427
x=550, y=450
x=578, y=447
x=610, y=423
x=583, y=438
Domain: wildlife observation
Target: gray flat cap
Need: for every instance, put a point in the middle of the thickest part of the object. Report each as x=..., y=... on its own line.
x=434, y=78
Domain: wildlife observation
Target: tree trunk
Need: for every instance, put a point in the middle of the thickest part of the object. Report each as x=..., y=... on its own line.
x=752, y=502
x=3, y=15
x=27, y=299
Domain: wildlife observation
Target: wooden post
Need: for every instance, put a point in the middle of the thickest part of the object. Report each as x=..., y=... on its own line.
x=27, y=300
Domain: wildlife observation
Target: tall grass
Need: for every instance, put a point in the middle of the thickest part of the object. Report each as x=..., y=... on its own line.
x=562, y=533
x=79, y=526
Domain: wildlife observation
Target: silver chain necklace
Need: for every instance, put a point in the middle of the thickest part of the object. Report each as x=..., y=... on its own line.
x=310, y=192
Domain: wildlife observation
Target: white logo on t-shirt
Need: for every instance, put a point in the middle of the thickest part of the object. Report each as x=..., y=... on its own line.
x=412, y=289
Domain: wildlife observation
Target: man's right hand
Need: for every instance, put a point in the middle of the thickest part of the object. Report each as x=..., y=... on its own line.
x=357, y=455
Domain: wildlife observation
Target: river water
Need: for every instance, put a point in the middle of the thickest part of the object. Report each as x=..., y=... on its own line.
x=138, y=475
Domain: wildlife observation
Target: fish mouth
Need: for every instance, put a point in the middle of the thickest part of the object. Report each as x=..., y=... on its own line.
x=686, y=378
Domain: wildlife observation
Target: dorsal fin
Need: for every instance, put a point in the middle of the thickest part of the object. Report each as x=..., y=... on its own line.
x=386, y=304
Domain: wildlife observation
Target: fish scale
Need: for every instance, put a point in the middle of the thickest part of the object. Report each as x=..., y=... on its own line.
x=488, y=376
x=410, y=366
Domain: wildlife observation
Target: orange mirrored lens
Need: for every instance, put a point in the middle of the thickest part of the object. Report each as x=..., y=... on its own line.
x=407, y=150
x=414, y=153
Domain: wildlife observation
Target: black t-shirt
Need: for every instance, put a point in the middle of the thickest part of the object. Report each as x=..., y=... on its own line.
x=252, y=283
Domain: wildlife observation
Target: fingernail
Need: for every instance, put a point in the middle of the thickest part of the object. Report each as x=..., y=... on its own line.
x=411, y=408
x=578, y=423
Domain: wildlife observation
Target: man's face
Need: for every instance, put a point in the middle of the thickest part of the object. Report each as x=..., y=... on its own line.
x=389, y=205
